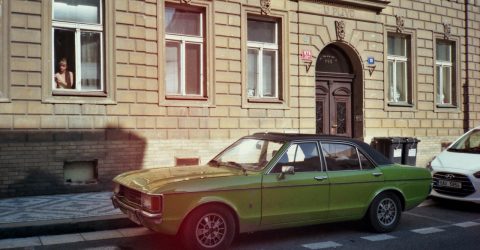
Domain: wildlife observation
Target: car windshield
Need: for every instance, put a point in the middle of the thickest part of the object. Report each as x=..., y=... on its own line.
x=469, y=143
x=248, y=154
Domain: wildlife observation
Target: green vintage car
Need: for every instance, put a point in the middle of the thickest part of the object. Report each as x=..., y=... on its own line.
x=272, y=180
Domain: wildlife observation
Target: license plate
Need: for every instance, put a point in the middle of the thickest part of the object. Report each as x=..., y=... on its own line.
x=133, y=217
x=451, y=184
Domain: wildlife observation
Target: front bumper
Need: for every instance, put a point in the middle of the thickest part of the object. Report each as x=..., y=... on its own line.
x=137, y=215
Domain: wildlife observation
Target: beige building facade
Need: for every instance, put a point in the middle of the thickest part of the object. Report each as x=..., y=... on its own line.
x=162, y=83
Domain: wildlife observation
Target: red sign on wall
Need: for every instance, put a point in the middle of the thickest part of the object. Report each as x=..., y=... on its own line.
x=306, y=55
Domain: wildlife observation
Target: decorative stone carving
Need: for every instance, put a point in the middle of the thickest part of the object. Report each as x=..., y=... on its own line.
x=447, y=31
x=400, y=24
x=266, y=6
x=186, y=1
x=340, y=29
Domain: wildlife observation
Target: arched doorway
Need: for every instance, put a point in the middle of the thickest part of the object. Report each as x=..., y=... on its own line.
x=338, y=97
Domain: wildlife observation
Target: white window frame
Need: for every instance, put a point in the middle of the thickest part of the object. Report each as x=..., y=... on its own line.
x=183, y=40
x=78, y=28
x=395, y=59
x=443, y=65
x=261, y=46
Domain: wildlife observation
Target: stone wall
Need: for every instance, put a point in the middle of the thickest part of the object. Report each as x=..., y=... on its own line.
x=154, y=130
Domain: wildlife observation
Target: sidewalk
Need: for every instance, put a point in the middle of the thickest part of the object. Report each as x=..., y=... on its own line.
x=52, y=214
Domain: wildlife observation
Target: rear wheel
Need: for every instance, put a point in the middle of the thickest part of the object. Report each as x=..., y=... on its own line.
x=384, y=212
x=209, y=227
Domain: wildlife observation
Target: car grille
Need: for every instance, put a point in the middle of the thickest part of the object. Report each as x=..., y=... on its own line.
x=467, y=187
x=130, y=195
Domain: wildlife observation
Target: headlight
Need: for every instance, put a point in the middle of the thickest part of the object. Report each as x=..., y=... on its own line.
x=152, y=203
x=477, y=174
x=116, y=188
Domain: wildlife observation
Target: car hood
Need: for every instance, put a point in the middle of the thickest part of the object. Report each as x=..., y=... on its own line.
x=148, y=180
x=467, y=162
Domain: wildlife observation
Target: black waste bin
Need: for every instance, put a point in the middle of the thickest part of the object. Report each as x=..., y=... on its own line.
x=409, y=152
x=390, y=147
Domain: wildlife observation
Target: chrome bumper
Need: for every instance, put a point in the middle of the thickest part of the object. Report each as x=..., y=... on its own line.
x=137, y=215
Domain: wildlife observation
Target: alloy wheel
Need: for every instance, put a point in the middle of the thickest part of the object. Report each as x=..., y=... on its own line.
x=211, y=230
x=387, y=212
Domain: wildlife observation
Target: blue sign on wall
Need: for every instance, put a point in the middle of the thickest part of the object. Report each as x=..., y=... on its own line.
x=371, y=60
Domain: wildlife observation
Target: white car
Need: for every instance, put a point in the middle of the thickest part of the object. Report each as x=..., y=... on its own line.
x=456, y=170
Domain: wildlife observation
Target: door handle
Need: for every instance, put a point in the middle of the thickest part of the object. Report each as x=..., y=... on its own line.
x=334, y=126
x=377, y=174
x=320, y=178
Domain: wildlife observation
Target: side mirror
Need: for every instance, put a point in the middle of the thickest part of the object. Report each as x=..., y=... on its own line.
x=286, y=170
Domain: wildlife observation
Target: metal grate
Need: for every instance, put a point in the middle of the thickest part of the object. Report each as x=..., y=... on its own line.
x=467, y=187
x=131, y=195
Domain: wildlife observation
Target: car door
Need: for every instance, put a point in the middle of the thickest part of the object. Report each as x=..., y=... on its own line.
x=303, y=196
x=353, y=179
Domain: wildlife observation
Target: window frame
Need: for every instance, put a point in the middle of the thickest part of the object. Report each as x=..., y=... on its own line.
x=411, y=79
x=260, y=47
x=183, y=40
x=108, y=49
x=4, y=52
x=282, y=99
x=456, y=69
x=78, y=28
x=207, y=96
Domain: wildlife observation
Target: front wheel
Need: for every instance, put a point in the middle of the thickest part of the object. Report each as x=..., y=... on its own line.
x=209, y=227
x=384, y=213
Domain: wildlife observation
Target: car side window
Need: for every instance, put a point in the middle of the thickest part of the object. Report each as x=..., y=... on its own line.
x=304, y=157
x=340, y=157
x=366, y=163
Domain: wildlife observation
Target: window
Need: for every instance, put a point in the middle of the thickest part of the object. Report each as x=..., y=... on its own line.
x=77, y=46
x=184, y=52
x=340, y=157
x=263, y=59
x=445, y=73
x=304, y=157
x=399, y=82
x=366, y=163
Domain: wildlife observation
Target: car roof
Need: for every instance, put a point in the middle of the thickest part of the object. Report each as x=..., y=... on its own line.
x=287, y=137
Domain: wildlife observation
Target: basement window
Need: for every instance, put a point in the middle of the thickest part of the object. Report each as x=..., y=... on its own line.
x=80, y=172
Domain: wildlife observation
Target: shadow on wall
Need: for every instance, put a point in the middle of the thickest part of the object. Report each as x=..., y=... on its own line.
x=56, y=162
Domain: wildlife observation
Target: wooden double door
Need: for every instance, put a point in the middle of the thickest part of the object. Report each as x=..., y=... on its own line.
x=334, y=103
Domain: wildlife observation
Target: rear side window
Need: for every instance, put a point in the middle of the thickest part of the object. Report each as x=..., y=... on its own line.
x=340, y=157
x=366, y=163
x=304, y=157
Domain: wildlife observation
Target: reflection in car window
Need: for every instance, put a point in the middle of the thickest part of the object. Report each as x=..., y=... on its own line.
x=303, y=157
x=340, y=157
x=469, y=143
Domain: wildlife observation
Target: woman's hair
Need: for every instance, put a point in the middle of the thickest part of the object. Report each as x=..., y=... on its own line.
x=63, y=61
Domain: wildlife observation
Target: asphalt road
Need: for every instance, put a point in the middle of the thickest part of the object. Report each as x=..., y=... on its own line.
x=433, y=225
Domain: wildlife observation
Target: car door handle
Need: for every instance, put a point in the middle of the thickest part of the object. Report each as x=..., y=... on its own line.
x=377, y=174
x=320, y=178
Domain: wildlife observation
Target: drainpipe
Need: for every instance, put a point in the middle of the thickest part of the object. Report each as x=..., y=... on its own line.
x=466, y=96
x=299, y=66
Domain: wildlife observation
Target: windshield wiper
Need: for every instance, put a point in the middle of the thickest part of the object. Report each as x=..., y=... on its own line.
x=237, y=165
x=214, y=163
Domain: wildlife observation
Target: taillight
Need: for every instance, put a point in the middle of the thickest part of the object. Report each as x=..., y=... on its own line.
x=152, y=203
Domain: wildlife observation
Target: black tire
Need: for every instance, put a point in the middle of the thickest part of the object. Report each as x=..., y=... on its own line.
x=384, y=213
x=217, y=224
